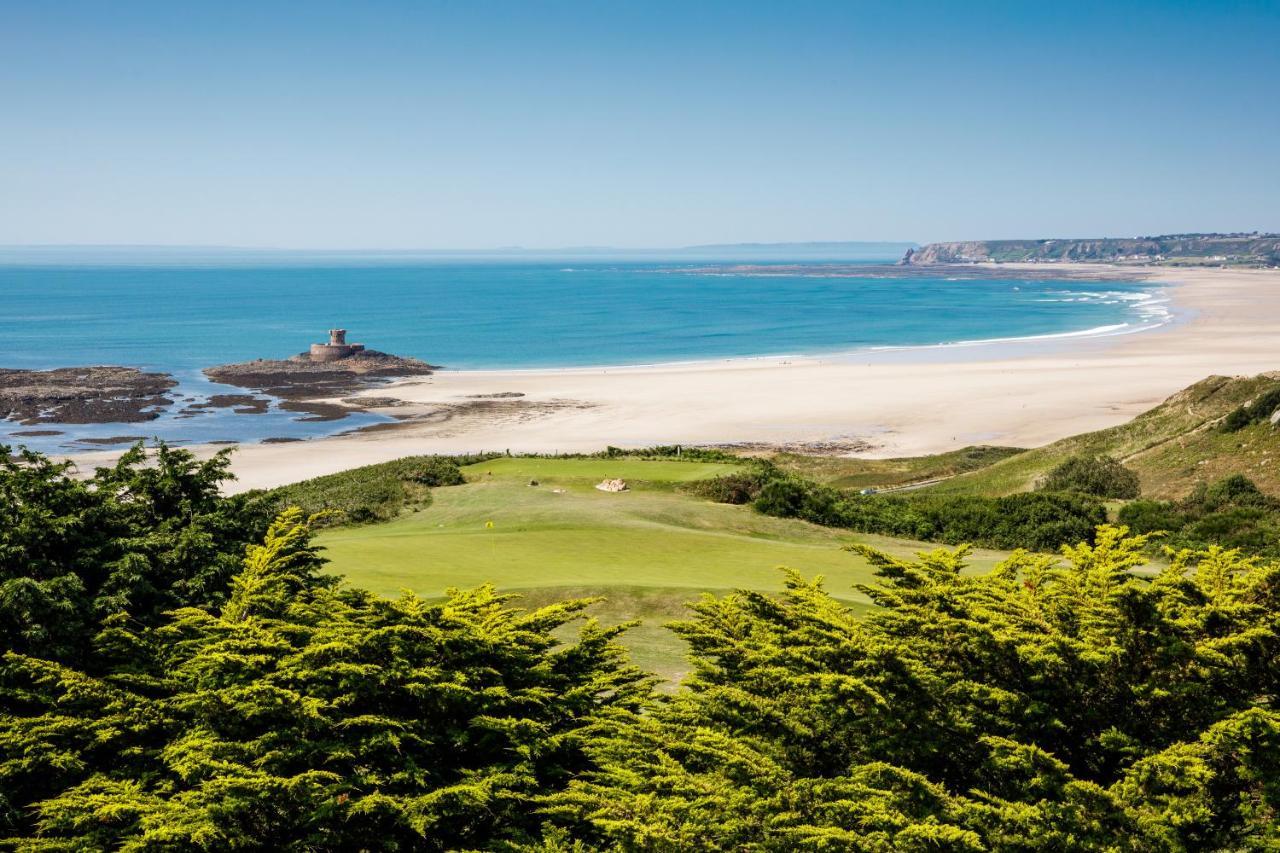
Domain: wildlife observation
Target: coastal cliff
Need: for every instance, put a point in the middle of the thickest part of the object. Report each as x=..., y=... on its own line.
x=1245, y=250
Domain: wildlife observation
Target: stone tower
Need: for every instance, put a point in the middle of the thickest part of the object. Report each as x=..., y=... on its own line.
x=337, y=347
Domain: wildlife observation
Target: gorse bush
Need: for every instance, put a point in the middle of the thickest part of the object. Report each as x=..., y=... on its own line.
x=1260, y=409
x=373, y=492
x=1038, y=521
x=1231, y=512
x=1235, y=490
x=1100, y=476
x=249, y=701
x=741, y=487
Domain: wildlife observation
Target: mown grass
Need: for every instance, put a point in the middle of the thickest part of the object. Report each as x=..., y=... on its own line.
x=587, y=471
x=647, y=551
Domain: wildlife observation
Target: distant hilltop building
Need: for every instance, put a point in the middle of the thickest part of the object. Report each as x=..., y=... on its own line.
x=337, y=348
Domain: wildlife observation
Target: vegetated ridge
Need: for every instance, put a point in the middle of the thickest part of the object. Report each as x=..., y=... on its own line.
x=1174, y=447
x=1238, y=249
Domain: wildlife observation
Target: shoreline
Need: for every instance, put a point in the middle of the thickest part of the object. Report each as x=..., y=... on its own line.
x=778, y=359
x=1156, y=296
x=1024, y=392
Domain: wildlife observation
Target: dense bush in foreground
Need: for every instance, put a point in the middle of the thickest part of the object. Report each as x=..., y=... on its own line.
x=1049, y=704
x=296, y=716
x=1036, y=707
x=136, y=537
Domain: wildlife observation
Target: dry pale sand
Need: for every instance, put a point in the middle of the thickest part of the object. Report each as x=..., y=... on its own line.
x=902, y=404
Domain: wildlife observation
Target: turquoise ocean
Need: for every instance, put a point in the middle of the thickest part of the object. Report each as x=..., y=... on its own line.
x=499, y=314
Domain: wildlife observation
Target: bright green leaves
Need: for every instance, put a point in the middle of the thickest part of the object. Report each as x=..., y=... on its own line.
x=167, y=685
x=298, y=715
x=1048, y=704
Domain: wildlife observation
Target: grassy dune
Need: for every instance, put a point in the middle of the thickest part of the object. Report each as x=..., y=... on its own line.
x=1171, y=447
x=844, y=472
x=648, y=551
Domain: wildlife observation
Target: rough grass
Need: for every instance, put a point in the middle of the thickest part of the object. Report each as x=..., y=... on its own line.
x=856, y=473
x=648, y=551
x=1172, y=447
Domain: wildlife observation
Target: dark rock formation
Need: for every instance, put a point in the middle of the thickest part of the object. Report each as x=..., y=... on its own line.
x=301, y=381
x=83, y=395
x=241, y=404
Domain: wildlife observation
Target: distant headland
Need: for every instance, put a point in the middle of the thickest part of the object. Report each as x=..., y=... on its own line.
x=1253, y=249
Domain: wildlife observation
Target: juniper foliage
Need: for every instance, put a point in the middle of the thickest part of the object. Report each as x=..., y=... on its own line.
x=299, y=715
x=165, y=685
x=1038, y=706
x=145, y=535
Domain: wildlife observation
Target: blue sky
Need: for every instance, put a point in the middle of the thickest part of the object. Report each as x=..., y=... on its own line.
x=479, y=124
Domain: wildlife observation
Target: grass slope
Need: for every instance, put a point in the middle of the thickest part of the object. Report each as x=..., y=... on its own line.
x=844, y=472
x=648, y=550
x=1171, y=447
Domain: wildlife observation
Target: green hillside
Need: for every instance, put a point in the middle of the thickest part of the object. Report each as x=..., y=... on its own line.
x=1173, y=447
x=539, y=527
x=844, y=472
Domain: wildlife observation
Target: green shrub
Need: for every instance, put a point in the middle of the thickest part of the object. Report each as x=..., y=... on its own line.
x=1231, y=512
x=1260, y=409
x=1038, y=521
x=1233, y=491
x=1040, y=706
x=172, y=680
x=429, y=471
x=148, y=534
x=374, y=492
x=1146, y=516
x=736, y=488
x=1237, y=420
x=1100, y=476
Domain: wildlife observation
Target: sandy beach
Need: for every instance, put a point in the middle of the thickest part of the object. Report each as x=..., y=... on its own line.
x=883, y=404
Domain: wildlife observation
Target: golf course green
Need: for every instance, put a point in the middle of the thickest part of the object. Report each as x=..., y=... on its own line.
x=647, y=551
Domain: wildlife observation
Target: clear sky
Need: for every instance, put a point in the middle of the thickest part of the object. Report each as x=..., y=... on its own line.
x=477, y=124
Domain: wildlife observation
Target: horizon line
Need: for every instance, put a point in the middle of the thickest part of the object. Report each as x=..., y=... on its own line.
x=230, y=247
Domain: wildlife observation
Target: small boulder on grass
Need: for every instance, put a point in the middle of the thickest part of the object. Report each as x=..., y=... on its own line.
x=618, y=485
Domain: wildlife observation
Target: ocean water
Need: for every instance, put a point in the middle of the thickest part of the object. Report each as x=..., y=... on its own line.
x=474, y=314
